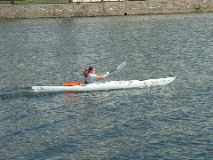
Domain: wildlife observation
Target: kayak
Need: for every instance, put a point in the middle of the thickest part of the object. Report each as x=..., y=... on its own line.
x=105, y=86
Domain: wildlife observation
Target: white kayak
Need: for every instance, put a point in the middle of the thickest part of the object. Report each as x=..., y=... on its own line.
x=104, y=86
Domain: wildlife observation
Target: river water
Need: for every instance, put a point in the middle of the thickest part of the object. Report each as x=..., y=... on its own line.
x=168, y=122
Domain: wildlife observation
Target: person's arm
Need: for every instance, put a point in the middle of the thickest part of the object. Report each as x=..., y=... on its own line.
x=101, y=76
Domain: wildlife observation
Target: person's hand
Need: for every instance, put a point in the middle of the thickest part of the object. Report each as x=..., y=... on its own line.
x=107, y=73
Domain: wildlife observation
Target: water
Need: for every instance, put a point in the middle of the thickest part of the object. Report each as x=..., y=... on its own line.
x=169, y=122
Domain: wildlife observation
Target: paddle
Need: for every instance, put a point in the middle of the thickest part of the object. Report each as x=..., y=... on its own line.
x=117, y=68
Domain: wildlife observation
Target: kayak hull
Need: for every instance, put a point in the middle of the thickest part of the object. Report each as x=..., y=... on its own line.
x=104, y=86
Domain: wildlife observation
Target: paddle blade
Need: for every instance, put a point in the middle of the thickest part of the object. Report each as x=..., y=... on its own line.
x=120, y=66
x=117, y=68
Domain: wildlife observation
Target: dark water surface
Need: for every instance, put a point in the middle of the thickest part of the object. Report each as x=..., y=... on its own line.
x=169, y=122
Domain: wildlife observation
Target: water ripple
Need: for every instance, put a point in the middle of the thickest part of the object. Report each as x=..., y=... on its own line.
x=168, y=122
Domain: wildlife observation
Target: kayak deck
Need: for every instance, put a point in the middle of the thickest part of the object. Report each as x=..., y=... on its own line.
x=103, y=86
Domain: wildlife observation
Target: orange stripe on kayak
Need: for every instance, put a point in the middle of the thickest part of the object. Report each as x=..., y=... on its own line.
x=76, y=83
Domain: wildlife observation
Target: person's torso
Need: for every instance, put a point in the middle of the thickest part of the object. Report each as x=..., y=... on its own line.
x=90, y=78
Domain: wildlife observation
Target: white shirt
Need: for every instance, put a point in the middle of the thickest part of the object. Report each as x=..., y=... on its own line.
x=91, y=78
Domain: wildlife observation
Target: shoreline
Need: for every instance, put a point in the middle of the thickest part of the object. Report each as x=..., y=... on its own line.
x=97, y=9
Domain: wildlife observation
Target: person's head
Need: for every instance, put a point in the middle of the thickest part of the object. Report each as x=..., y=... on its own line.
x=89, y=70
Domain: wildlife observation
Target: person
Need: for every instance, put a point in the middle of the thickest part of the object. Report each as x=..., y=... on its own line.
x=91, y=76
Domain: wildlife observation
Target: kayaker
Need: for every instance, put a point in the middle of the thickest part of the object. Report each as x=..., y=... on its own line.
x=91, y=76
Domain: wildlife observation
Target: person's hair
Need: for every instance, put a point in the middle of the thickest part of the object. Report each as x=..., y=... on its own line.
x=88, y=70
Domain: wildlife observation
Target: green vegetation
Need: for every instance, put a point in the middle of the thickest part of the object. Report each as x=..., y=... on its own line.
x=35, y=1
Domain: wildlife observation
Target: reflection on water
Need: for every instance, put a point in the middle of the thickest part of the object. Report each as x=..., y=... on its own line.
x=168, y=122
